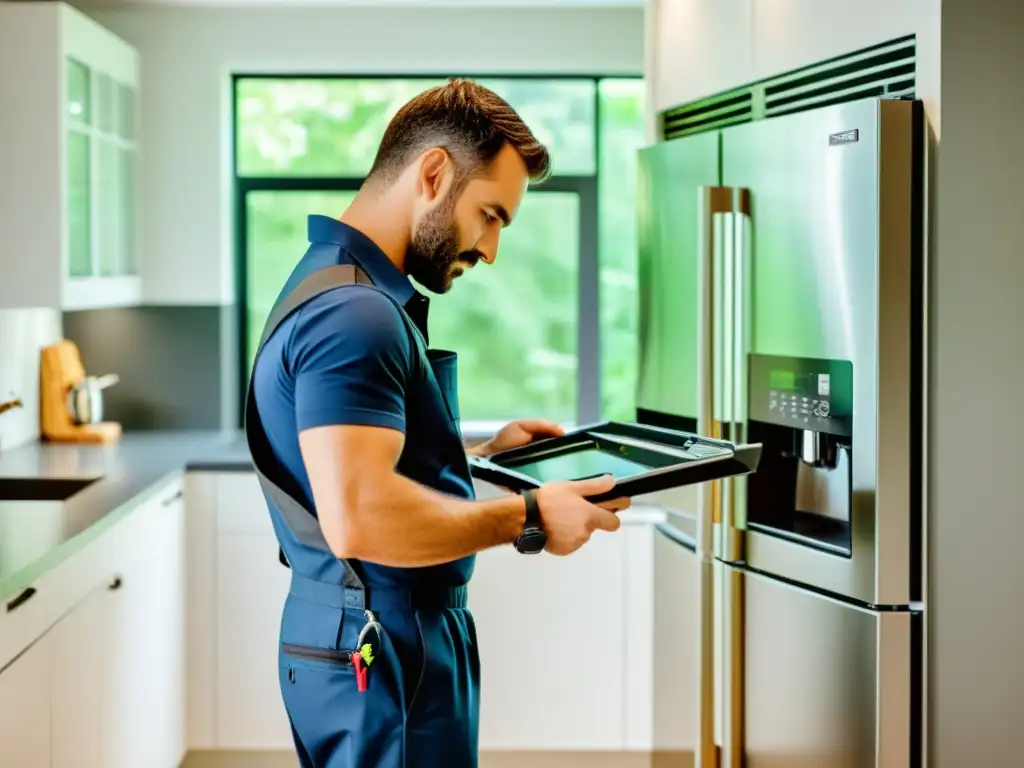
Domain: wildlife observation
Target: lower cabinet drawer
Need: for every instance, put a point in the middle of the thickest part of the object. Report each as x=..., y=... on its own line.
x=41, y=604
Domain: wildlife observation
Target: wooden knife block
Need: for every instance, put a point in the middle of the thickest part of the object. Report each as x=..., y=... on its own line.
x=60, y=369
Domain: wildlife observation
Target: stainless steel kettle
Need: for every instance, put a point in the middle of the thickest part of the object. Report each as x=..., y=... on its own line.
x=85, y=399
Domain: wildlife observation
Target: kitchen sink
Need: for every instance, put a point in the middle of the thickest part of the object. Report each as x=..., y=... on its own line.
x=42, y=489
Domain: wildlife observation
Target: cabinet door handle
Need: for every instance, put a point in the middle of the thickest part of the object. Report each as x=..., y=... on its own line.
x=115, y=584
x=171, y=499
x=21, y=599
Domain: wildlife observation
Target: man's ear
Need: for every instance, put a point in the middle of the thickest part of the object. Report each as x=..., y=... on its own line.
x=436, y=174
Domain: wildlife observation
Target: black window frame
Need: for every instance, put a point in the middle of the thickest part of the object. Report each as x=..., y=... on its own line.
x=586, y=186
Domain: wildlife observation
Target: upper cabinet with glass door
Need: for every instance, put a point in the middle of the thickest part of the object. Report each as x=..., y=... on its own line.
x=68, y=147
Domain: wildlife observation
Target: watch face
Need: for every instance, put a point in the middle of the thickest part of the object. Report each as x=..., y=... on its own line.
x=531, y=541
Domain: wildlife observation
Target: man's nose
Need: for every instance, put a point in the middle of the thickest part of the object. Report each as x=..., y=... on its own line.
x=488, y=247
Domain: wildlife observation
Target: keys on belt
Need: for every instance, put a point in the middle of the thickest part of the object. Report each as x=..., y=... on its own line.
x=367, y=648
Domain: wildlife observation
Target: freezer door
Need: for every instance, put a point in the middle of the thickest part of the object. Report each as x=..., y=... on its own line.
x=824, y=262
x=673, y=181
x=671, y=176
x=817, y=683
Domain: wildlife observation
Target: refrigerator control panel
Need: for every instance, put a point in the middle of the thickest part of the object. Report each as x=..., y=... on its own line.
x=802, y=393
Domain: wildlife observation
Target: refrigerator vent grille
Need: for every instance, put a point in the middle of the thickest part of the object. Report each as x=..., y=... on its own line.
x=719, y=111
x=884, y=70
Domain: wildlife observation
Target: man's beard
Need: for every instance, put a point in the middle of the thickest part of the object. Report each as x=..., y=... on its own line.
x=433, y=258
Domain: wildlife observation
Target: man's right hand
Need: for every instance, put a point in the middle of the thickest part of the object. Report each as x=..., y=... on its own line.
x=569, y=519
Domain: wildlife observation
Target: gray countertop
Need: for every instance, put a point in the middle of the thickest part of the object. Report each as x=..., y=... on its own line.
x=37, y=535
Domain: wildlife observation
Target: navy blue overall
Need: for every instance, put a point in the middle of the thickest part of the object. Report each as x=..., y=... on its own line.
x=422, y=703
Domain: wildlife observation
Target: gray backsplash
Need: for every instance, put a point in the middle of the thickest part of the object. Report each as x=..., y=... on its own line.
x=178, y=365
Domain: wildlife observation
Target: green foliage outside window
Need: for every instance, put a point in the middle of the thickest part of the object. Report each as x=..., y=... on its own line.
x=622, y=133
x=514, y=324
x=331, y=127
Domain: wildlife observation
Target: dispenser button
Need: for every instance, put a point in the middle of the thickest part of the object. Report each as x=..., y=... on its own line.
x=824, y=384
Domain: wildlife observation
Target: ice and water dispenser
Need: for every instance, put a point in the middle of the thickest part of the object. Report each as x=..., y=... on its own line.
x=801, y=411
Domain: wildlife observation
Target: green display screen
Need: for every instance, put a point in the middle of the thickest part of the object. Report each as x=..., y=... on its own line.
x=580, y=464
x=785, y=380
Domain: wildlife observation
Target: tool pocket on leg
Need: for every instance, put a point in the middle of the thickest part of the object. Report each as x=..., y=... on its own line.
x=305, y=653
x=338, y=723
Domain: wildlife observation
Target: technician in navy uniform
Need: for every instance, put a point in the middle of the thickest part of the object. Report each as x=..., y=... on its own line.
x=353, y=427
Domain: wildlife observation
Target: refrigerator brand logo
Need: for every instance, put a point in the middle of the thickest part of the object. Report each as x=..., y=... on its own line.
x=845, y=137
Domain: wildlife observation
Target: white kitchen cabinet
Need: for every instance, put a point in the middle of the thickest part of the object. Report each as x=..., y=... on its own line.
x=675, y=642
x=69, y=150
x=251, y=589
x=79, y=650
x=144, y=684
x=25, y=708
x=794, y=33
x=552, y=647
x=201, y=609
x=94, y=661
x=40, y=605
x=700, y=47
x=234, y=701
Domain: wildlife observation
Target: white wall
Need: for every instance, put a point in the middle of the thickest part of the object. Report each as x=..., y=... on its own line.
x=23, y=334
x=188, y=55
x=976, y=522
x=701, y=47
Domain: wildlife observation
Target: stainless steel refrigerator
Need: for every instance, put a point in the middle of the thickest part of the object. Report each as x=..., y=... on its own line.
x=782, y=302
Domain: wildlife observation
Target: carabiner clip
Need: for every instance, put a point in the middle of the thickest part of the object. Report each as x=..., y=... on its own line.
x=371, y=624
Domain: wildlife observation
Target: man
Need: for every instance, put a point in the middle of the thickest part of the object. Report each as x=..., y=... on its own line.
x=353, y=427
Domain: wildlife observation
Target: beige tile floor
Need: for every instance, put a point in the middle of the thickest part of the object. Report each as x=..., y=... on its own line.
x=501, y=760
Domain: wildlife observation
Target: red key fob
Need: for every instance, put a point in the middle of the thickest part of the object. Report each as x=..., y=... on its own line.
x=362, y=672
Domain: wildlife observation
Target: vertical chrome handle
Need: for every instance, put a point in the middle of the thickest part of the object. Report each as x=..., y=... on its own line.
x=724, y=370
x=733, y=644
x=741, y=230
x=731, y=539
x=730, y=544
x=713, y=204
x=706, y=752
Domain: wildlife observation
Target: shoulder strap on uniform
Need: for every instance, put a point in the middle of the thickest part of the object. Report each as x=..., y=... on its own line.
x=313, y=285
x=301, y=521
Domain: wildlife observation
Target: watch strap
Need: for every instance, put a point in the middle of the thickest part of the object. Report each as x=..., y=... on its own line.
x=532, y=509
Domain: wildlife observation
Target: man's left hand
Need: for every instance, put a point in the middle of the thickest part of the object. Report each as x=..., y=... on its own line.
x=516, y=434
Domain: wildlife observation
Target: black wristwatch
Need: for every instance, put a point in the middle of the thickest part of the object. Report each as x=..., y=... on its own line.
x=533, y=539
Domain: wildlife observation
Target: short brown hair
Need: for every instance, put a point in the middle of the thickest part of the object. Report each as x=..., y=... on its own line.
x=470, y=122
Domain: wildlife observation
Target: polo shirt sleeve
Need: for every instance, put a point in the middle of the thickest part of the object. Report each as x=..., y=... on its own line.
x=351, y=358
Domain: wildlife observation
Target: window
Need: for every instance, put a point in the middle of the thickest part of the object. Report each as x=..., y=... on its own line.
x=550, y=330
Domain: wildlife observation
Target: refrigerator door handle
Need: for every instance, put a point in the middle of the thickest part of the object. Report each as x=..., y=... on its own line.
x=731, y=546
x=714, y=204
